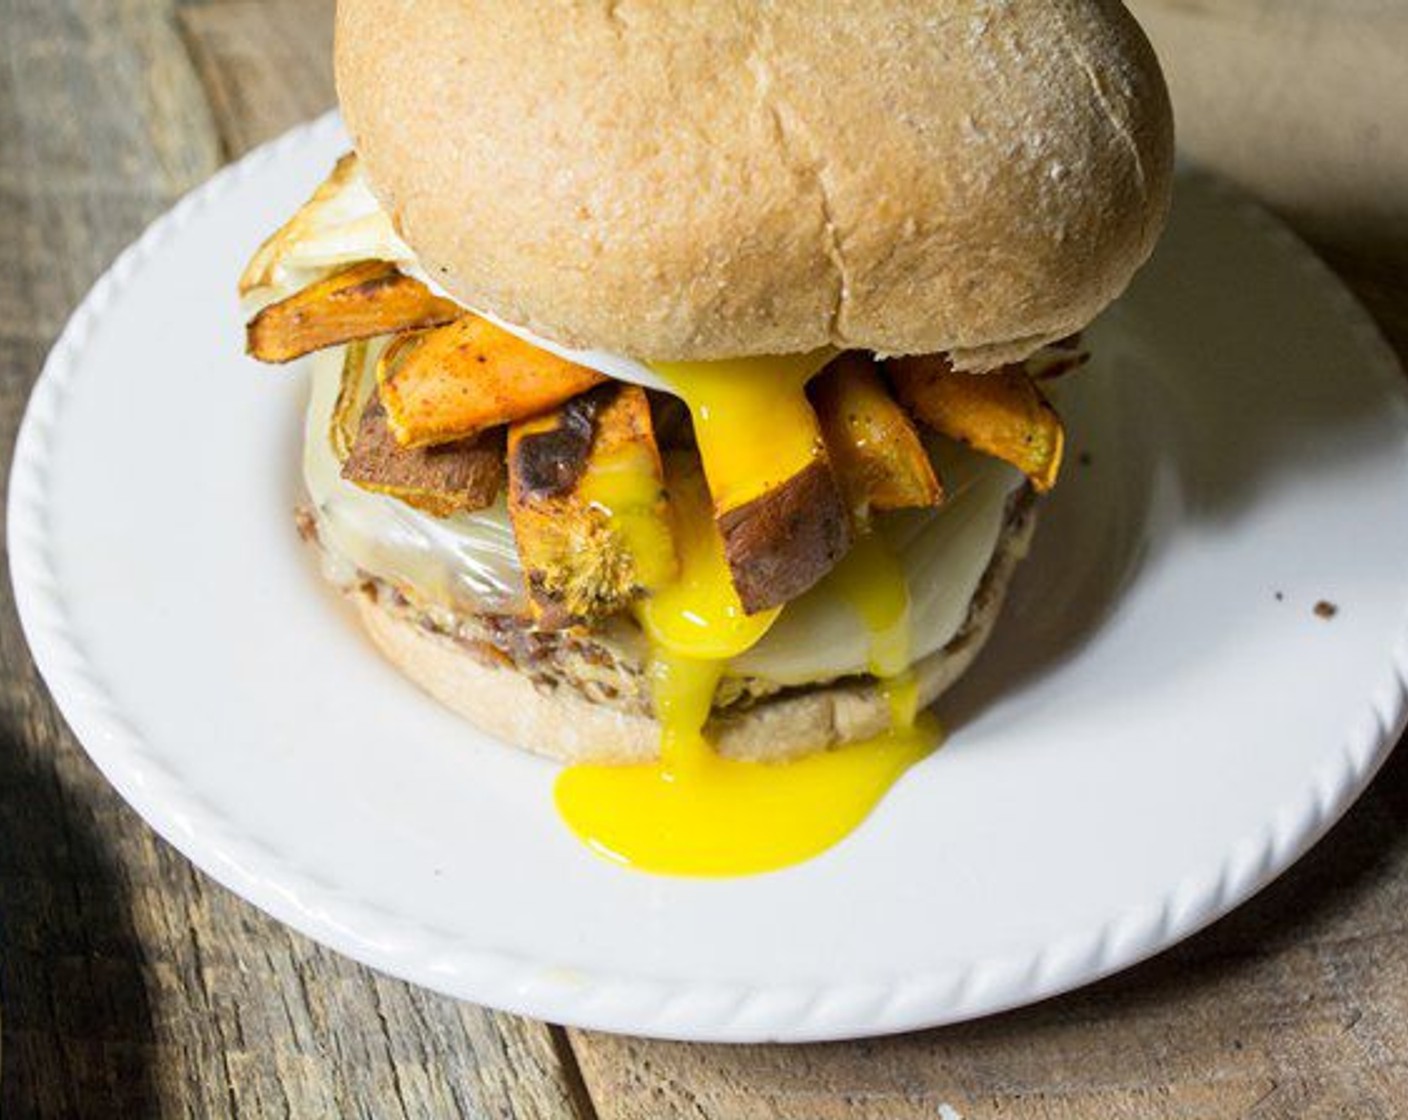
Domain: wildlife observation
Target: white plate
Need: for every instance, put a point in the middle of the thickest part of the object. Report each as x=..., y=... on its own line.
x=1162, y=724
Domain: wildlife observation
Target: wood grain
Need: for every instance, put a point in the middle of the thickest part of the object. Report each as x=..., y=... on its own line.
x=265, y=64
x=132, y=986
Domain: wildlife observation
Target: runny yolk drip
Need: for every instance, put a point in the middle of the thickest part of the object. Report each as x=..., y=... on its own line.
x=752, y=421
x=696, y=812
x=626, y=487
x=871, y=581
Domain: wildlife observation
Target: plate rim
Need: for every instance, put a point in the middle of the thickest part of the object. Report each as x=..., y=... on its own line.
x=655, y=1006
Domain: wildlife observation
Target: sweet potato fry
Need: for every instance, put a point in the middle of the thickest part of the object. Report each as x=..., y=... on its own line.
x=781, y=542
x=587, y=502
x=461, y=379
x=876, y=454
x=778, y=508
x=454, y=478
x=1002, y=413
x=368, y=299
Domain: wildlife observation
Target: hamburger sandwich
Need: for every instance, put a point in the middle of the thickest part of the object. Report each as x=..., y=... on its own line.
x=680, y=373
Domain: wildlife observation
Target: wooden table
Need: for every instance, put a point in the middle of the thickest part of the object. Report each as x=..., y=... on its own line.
x=132, y=986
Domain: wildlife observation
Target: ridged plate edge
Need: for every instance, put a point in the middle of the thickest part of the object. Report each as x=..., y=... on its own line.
x=660, y=1007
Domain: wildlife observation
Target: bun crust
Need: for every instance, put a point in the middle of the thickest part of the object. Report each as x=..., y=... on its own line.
x=562, y=724
x=690, y=181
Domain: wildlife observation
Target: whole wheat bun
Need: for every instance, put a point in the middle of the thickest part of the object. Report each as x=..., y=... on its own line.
x=706, y=180
x=562, y=724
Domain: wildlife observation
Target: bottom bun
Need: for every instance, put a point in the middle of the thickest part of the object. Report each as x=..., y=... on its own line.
x=561, y=723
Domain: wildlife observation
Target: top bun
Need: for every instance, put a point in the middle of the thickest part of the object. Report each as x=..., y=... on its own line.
x=708, y=180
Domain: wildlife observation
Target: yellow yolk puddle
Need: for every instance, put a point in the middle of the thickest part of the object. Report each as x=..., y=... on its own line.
x=702, y=814
x=695, y=812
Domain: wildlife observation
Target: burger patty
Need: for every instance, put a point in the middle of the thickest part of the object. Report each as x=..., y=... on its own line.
x=607, y=663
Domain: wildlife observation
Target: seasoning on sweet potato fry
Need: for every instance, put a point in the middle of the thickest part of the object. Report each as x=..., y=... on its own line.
x=876, y=453
x=365, y=300
x=588, y=506
x=457, y=477
x=458, y=380
x=1002, y=413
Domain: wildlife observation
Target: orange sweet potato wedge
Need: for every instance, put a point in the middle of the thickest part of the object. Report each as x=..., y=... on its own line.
x=876, y=453
x=588, y=505
x=461, y=379
x=1002, y=413
x=782, y=542
x=363, y=301
x=442, y=481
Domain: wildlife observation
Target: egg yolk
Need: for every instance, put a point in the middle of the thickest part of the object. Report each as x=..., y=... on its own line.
x=695, y=811
x=752, y=421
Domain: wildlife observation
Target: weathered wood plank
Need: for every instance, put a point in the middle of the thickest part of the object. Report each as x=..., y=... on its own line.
x=132, y=985
x=101, y=124
x=266, y=64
